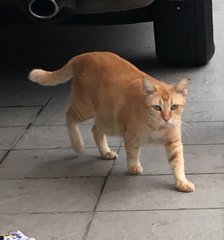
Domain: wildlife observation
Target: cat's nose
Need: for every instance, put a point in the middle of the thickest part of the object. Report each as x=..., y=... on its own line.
x=166, y=118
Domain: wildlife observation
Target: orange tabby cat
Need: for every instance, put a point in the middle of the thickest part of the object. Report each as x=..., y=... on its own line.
x=123, y=101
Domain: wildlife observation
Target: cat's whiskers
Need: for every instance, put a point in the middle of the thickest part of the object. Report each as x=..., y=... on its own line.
x=186, y=127
x=186, y=124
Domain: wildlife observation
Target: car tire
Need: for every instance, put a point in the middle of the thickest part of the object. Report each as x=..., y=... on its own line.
x=184, y=32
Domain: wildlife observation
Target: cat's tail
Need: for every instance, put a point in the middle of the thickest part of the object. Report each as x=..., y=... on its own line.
x=47, y=78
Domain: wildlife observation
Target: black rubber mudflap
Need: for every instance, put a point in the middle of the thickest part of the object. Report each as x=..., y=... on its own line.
x=184, y=32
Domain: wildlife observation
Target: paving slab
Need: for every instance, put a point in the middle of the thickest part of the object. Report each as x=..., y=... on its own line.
x=62, y=96
x=54, y=163
x=17, y=92
x=203, y=111
x=208, y=91
x=54, y=116
x=44, y=137
x=49, y=195
x=57, y=137
x=47, y=226
x=2, y=154
x=162, y=225
x=17, y=116
x=51, y=116
x=9, y=136
x=198, y=159
x=203, y=133
x=158, y=192
x=54, y=112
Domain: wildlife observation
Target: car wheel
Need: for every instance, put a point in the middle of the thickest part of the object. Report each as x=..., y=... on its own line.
x=184, y=32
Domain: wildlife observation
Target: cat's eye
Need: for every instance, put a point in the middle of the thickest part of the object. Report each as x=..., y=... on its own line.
x=157, y=107
x=174, y=107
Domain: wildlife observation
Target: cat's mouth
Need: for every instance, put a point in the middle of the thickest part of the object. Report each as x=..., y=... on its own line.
x=166, y=124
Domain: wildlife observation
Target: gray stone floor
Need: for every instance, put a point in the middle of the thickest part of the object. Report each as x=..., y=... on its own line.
x=50, y=192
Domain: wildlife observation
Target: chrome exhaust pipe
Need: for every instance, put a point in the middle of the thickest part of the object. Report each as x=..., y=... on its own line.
x=44, y=9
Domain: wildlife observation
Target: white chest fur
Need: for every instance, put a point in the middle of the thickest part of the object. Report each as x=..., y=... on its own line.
x=151, y=136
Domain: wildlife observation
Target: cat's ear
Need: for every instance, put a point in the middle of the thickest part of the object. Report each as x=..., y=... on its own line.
x=181, y=86
x=148, y=88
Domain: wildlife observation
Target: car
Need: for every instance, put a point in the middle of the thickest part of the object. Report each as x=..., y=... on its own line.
x=183, y=29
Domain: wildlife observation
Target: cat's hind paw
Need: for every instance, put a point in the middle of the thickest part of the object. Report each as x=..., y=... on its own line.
x=185, y=186
x=135, y=169
x=109, y=155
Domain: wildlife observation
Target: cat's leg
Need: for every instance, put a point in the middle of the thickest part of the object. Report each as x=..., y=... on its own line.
x=176, y=160
x=101, y=142
x=132, y=147
x=74, y=133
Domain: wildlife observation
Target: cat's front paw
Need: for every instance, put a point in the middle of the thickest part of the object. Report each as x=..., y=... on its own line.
x=135, y=169
x=109, y=155
x=185, y=186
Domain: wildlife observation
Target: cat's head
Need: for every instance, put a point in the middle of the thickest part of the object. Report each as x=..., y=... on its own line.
x=165, y=102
